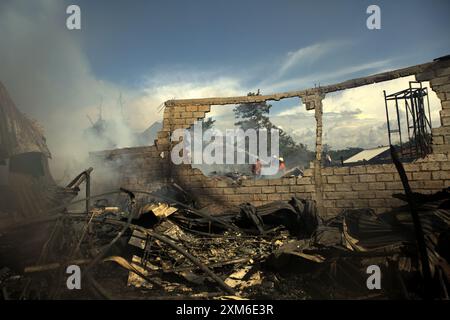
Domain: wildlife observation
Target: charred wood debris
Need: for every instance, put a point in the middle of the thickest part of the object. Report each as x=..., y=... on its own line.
x=134, y=244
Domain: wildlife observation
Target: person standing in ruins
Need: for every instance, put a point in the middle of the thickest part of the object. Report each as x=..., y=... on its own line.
x=282, y=166
x=256, y=169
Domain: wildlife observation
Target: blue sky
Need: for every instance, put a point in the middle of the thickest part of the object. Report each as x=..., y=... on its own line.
x=126, y=43
x=152, y=51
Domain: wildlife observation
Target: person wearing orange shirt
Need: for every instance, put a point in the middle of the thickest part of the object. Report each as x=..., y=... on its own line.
x=282, y=166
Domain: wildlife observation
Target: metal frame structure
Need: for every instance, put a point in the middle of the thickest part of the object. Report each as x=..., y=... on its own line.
x=84, y=176
x=415, y=102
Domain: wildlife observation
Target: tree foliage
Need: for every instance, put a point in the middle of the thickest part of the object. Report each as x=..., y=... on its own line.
x=255, y=115
x=208, y=124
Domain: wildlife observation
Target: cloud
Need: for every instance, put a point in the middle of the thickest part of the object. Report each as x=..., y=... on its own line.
x=45, y=69
x=143, y=109
x=327, y=76
x=297, y=110
x=49, y=78
x=286, y=71
x=352, y=118
x=307, y=55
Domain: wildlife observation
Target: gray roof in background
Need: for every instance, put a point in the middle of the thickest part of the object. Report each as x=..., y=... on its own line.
x=366, y=155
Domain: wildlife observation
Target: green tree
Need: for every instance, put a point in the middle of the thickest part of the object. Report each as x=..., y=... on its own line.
x=208, y=124
x=255, y=115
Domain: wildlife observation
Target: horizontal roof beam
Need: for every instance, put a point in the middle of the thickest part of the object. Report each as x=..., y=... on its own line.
x=385, y=76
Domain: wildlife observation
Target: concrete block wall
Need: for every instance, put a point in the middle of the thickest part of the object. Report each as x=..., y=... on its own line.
x=342, y=187
x=139, y=168
x=332, y=188
x=439, y=77
x=373, y=185
x=256, y=191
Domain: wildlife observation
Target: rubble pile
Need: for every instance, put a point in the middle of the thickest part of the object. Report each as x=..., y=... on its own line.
x=160, y=247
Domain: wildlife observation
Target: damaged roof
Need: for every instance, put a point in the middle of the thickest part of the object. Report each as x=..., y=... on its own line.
x=18, y=133
x=366, y=155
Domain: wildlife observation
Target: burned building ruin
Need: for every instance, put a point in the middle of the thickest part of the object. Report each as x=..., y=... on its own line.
x=333, y=188
x=163, y=231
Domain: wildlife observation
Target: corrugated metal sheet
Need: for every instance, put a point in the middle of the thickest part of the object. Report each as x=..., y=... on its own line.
x=366, y=155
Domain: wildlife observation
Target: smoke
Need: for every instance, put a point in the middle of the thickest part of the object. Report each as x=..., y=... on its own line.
x=49, y=77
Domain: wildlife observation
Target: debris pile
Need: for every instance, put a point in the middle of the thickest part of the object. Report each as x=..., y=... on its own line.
x=161, y=247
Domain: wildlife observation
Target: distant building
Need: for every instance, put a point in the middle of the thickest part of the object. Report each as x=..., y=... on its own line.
x=27, y=188
x=370, y=156
x=148, y=137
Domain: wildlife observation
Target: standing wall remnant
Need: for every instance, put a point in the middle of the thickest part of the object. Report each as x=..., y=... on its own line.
x=333, y=188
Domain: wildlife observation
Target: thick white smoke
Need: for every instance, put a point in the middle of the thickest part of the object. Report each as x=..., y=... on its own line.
x=45, y=70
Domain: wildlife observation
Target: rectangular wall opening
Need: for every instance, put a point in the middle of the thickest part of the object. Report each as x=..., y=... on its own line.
x=355, y=126
x=296, y=133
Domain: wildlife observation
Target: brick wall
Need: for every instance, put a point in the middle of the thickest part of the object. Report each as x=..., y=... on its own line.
x=332, y=188
x=373, y=185
x=342, y=187
x=140, y=168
